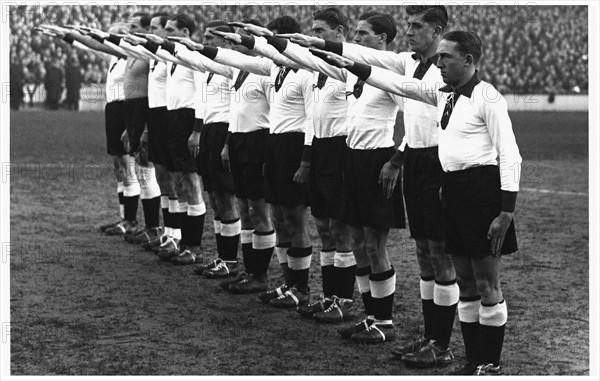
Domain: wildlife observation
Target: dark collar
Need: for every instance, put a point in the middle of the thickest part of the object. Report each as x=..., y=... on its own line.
x=465, y=90
x=432, y=59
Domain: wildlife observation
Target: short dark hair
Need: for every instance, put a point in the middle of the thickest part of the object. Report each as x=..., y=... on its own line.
x=220, y=25
x=253, y=22
x=381, y=23
x=433, y=15
x=333, y=16
x=145, y=18
x=285, y=24
x=467, y=43
x=163, y=18
x=184, y=21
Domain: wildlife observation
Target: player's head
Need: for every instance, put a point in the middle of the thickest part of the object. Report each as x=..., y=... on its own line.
x=375, y=29
x=284, y=24
x=158, y=23
x=458, y=54
x=330, y=24
x=180, y=25
x=425, y=26
x=139, y=22
x=242, y=48
x=214, y=40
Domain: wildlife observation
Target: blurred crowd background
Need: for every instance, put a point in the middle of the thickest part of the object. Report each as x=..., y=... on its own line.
x=527, y=49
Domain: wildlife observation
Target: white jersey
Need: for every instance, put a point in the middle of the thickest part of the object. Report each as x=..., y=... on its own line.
x=157, y=84
x=115, y=80
x=180, y=88
x=249, y=102
x=420, y=119
x=212, y=97
x=479, y=131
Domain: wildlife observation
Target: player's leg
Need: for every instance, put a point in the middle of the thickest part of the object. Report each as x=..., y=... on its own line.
x=119, y=175
x=247, y=229
x=492, y=312
x=328, y=249
x=192, y=221
x=231, y=228
x=262, y=246
x=468, y=313
x=344, y=262
x=131, y=194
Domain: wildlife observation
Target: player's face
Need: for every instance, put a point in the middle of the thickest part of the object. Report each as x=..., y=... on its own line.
x=156, y=27
x=171, y=29
x=213, y=40
x=451, y=62
x=323, y=31
x=420, y=34
x=135, y=24
x=365, y=35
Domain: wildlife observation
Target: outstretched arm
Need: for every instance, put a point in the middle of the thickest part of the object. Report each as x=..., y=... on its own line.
x=389, y=81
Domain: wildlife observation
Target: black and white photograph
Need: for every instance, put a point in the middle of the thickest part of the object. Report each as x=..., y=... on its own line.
x=247, y=189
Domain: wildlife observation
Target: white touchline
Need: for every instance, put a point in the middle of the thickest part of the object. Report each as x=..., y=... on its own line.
x=555, y=192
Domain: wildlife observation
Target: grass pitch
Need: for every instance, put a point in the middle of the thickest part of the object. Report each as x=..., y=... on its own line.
x=86, y=304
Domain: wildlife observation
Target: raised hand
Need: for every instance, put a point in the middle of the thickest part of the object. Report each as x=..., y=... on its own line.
x=303, y=40
x=191, y=45
x=134, y=40
x=333, y=59
x=256, y=30
x=154, y=38
x=233, y=37
x=99, y=33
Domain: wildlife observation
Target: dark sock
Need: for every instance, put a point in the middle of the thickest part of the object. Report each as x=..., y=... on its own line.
x=382, y=307
x=194, y=229
x=427, y=306
x=151, y=208
x=344, y=281
x=249, y=258
x=444, y=317
x=131, y=205
x=491, y=340
x=470, y=334
x=366, y=296
x=328, y=276
x=229, y=244
x=166, y=218
x=262, y=256
x=121, y=202
x=299, y=278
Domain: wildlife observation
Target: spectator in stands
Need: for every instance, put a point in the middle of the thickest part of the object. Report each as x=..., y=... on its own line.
x=73, y=79
x=53, y=82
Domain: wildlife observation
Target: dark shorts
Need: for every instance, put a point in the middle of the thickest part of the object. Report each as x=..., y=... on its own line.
x=422, y=180
x=180, y=125
x=472, y=199
x=136, y=115
x=326, y=179
x=157, y=135
x=363, y=203
x=247, y=157
x=282, y=160
x=210, y=164
x=114, y=116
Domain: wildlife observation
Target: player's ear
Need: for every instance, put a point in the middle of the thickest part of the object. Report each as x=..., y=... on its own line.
x=383, y=38
x=437, y=31
x=469, y=60
x=340, y=30
x=186, y=31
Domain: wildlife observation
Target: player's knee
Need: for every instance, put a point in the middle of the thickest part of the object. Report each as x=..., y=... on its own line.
x=487, y=287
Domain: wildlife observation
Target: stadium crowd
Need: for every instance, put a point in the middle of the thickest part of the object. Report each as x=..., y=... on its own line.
x=527, y=47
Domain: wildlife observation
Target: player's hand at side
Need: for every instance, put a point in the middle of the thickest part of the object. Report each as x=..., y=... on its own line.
x=388, y=178
x=303, y=40
x=497, y=231
x=301, y=175
x=225, y=159
x=233, y=37
x=125, y=141
x=143, y=154
x=194, y=144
